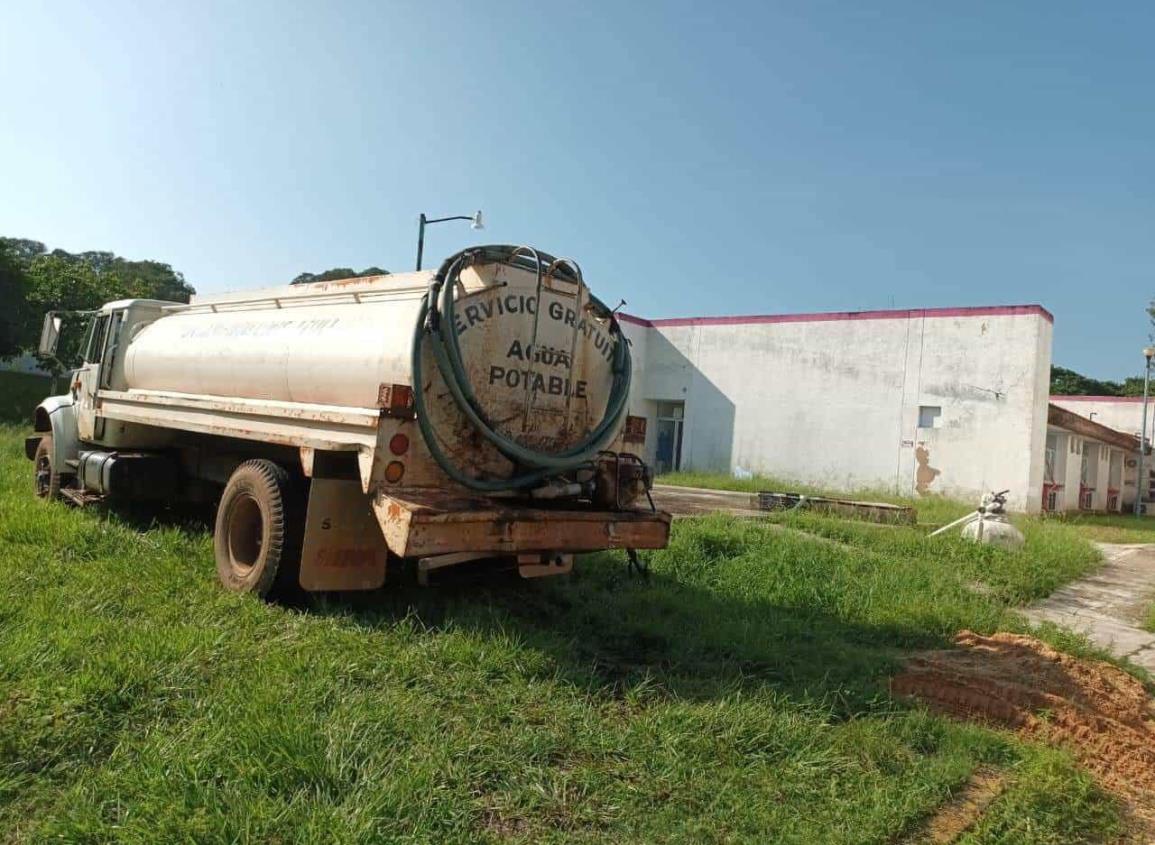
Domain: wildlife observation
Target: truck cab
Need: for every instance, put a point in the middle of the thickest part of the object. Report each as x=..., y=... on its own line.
x=90, y=346
x=109, y=331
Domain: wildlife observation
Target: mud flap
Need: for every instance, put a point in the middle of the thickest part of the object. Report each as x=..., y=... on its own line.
x=343, y=548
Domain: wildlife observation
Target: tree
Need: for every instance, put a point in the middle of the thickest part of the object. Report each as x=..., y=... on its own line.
x=23, y=249
x=59, y=282
x=1066, y=382
x=151, y=279
x=1132, y=386
x=337, y=273
x=34, y=281
x=13, y=303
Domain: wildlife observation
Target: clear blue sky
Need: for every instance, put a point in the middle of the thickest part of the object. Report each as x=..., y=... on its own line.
x=695, y=158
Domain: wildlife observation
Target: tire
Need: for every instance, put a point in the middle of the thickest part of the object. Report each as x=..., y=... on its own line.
x=46, y=478
x=257, y=538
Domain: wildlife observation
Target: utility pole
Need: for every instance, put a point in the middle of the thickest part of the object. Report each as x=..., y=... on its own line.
x=1140, y=480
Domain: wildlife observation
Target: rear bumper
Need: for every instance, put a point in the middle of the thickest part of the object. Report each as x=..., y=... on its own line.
x=418, y=523
x=31, y=444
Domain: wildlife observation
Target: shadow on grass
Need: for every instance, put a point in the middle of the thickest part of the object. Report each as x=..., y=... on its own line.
x=143, y=516
x=612, y=633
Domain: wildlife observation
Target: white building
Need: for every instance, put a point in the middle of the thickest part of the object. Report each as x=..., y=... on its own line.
x=1122, y=414
x=937, y=400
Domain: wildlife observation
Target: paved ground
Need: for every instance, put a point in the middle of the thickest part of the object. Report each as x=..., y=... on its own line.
x=1109, y=605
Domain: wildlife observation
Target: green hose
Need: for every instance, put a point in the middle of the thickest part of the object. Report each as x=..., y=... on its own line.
x=534, y=467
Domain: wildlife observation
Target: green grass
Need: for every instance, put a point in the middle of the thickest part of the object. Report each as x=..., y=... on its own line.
x=20, y=393
x=932, y=509
x=738, y=695
x=1045, y=796
x=1111, y=528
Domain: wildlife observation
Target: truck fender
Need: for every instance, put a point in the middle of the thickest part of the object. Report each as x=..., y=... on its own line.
x=57, y=414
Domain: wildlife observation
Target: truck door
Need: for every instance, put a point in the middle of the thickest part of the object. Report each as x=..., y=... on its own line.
x=100, y=344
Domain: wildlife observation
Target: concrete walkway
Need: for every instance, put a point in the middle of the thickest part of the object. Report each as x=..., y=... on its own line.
x=1109, y=605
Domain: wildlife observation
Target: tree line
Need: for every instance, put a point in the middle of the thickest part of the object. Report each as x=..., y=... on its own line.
x=337, y=273
x=34, y=280
x=1066, y=382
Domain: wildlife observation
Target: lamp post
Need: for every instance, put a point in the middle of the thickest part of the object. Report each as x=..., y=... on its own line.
x=475, y=224
x=1140, y=481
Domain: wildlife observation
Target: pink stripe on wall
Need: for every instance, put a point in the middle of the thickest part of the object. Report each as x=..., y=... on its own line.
x=902, y=314
x=630, y=318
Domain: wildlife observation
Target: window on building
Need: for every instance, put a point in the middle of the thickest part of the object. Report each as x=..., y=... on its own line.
x=929, y=416
x=668, y=455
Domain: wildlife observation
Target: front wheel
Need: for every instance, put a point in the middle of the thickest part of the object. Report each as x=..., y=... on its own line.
x=47, y=478
x=257, y=540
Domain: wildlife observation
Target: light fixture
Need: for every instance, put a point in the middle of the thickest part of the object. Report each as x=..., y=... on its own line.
x=423, y=221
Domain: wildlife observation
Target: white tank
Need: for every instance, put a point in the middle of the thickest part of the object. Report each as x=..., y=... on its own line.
x=544, y=382
x=288, y=345
x=994, y=530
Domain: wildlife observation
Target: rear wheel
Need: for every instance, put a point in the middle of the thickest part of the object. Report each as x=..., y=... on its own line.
x=257, y=536
x=47, y=478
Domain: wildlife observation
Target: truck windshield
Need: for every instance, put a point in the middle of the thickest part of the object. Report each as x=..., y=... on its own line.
x=94, y=341
x=112, y=348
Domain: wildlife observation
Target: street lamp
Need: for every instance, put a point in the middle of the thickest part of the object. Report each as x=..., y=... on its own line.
x=1140, y=481
x=474, y=224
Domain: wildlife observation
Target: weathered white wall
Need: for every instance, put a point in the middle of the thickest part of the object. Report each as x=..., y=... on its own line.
x=834, y=399
x=639, y=406
x=1122, y=413
x=1106, y=470
x=1074, y=475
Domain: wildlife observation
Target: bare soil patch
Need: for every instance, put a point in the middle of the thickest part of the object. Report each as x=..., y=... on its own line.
x=959, y=815
x=1101, y=713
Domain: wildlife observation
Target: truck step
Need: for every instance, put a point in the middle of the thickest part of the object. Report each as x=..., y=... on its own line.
x=81, y=497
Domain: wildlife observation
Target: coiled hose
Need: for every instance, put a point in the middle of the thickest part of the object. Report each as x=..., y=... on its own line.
x=436, y=322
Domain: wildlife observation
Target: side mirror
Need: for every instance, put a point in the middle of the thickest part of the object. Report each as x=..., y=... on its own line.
x=50, y=335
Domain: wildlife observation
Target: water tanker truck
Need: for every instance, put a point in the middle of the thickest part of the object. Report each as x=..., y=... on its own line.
x=476, y=414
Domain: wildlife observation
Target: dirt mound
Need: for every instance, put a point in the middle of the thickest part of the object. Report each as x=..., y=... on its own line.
x=1103, y=714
